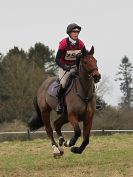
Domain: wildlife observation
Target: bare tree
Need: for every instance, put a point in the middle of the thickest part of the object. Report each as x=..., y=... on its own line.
x=103, y=87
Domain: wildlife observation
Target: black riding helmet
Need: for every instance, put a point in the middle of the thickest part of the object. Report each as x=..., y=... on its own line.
x=72, y=26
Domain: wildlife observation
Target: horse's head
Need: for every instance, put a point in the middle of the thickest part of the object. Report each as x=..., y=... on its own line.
x=89, y=63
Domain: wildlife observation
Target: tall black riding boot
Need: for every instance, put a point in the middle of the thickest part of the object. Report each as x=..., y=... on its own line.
x=59, y=108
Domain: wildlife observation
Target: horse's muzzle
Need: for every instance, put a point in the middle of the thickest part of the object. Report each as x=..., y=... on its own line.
x=97, y=78
x=96, y=75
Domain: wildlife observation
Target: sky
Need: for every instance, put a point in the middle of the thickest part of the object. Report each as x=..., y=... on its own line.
x=106, y=24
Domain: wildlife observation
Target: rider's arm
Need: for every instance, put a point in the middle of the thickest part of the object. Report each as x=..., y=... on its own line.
x=57, y=60
x=58, y=57
x=61, y=52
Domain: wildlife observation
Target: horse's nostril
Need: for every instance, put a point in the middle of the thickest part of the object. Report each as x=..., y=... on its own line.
x=97, y=78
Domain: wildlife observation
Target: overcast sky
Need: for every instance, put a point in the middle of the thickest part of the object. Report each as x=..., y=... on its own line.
x=106, y=24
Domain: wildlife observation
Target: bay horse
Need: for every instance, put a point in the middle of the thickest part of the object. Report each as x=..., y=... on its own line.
x=80, y=105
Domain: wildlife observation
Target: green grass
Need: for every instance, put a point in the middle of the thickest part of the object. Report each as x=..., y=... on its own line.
x=106, y=156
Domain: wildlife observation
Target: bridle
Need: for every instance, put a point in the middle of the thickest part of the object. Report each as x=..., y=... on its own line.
x=89, y=72
x=87, y=98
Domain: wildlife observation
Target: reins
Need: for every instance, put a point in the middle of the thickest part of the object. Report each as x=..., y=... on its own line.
x=87, y=99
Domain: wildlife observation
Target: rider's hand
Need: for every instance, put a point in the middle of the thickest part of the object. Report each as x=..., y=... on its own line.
x=66, y=67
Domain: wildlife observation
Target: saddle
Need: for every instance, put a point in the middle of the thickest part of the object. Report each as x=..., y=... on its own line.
x=54, y=87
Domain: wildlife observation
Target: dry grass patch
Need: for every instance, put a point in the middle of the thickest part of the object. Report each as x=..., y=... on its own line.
x=106, y=156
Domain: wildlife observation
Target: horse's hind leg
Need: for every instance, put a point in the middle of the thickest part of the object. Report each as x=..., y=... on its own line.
x=49, y=130
x=58, y=125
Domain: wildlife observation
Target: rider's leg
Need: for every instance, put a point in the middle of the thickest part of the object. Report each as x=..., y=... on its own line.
x=60, y=100
x=63, y=76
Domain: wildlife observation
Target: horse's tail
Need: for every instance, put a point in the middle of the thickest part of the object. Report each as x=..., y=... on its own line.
x=35, y=122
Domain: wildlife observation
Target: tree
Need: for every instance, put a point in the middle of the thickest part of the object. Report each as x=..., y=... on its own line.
x=16, y=52
x=102, y=88
x=125, y=76
x=19, y=82
x=43, y=56
x=1, y=57
x=21, y=73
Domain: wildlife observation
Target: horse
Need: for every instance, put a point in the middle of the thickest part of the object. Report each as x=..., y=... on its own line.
x=80, y=104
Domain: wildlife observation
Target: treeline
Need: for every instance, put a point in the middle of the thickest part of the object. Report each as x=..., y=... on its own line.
x=22, y=72
x=120, y=117
x=113, y=118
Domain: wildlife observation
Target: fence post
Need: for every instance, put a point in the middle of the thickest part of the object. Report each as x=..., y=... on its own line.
x=28, y=134
x=103, y=132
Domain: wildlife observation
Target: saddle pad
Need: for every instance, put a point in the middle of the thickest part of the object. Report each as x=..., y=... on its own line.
x=53, y=89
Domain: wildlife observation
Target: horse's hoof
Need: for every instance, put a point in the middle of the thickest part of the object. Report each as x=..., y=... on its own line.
x=66, y=144
x=57, y=156
x=56, y=152
x=76, y=150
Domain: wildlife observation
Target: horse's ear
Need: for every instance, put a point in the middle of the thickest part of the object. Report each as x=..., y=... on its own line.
x=91, y=52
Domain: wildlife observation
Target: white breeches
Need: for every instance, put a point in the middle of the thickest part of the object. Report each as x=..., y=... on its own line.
x=63, y=75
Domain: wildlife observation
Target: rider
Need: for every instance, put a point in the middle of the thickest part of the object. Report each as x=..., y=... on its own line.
x=66, y=57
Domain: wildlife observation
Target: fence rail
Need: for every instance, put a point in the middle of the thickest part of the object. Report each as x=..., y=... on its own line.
x=25, y=135
x=93, y=131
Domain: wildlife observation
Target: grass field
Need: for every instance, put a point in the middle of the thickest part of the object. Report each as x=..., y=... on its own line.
x=106, y=156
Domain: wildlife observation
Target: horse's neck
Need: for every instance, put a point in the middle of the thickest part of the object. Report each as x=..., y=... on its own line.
x=86, y=83
x=83, y=75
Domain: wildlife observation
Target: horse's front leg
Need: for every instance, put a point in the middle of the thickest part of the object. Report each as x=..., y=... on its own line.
x=49, y=131
x=73, y=119
x=87, y=124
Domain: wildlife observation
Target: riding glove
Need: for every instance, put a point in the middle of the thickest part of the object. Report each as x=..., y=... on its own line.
x=66, y=67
